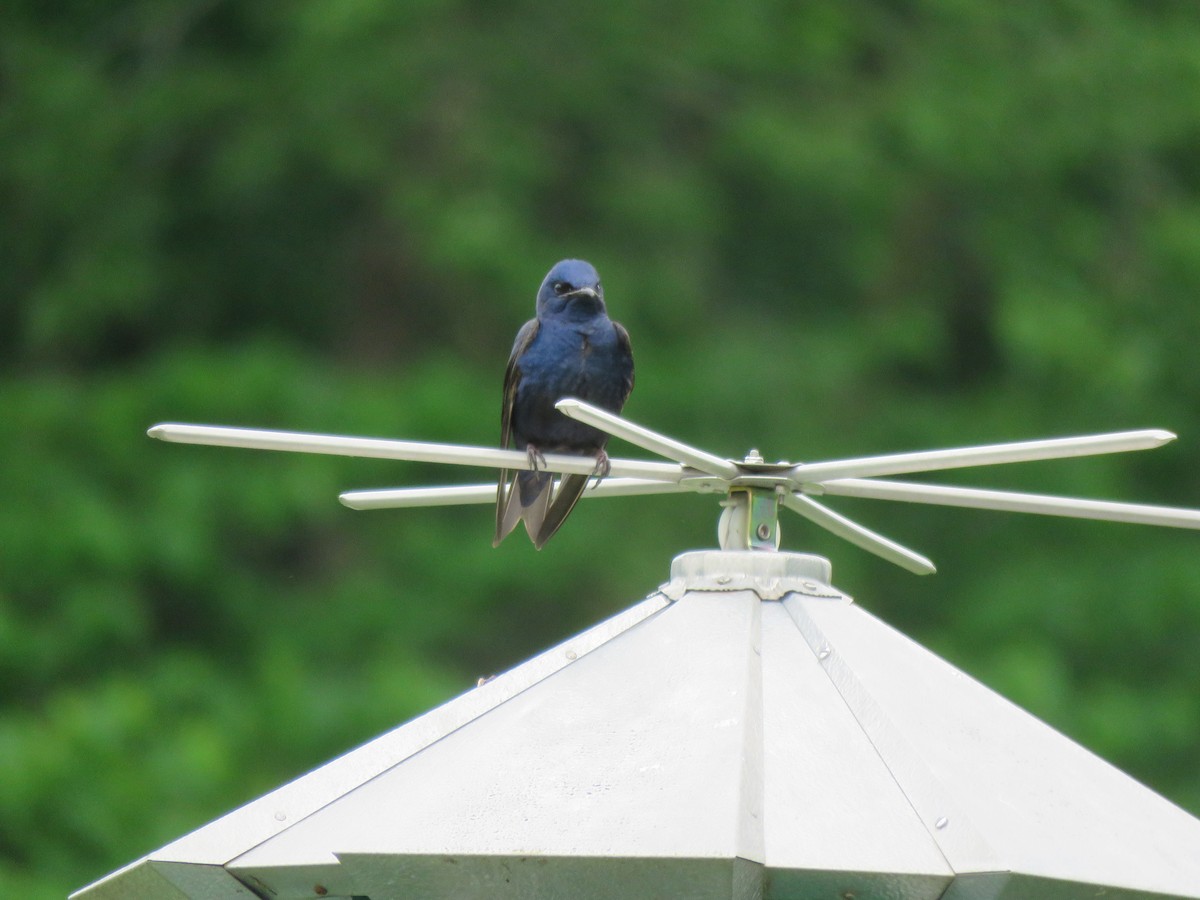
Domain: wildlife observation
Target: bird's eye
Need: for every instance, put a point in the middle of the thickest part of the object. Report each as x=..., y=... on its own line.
x=560, y=287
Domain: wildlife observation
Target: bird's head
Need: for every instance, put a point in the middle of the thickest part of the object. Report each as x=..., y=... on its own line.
x=572, y=289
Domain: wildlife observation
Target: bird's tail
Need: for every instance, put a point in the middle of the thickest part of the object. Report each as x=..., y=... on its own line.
x=526, y=497
x=570, y=489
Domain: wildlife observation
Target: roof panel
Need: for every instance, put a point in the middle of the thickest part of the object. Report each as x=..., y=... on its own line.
x=604, y=759
x=759, y=736
x=1042, y=804
x=832, y=804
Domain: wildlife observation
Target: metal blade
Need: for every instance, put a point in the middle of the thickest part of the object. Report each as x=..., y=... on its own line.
x=858, y=535
x=647, y=439
x=413, y=451
x=991, y=454
x=397, y=498
x=1010, y=501
x=403, y=498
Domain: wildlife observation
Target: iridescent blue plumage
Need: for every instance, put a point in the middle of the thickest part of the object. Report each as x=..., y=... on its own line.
x=572, y=349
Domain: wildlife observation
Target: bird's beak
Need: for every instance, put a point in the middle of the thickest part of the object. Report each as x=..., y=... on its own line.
x=579, y=292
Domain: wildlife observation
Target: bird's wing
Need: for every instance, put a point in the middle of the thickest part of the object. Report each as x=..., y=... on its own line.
x=626, y=349
x=512, y=378
x=506, y=519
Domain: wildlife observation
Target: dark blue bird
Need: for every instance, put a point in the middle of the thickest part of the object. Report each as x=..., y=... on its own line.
x=572, y=349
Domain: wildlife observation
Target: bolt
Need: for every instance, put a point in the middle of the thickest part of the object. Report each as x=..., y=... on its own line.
x=764, y=531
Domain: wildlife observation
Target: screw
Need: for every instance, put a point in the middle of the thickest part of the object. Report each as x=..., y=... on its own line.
x=764, y=531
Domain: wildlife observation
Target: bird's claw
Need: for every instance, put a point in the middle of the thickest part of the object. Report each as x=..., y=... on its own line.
x=603, y=467
x=536, y=459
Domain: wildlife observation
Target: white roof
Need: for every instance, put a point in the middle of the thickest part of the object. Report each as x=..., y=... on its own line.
x=746, y=731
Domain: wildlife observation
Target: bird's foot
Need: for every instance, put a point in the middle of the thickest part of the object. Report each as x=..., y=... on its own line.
x=536, y=459
x=603, y=467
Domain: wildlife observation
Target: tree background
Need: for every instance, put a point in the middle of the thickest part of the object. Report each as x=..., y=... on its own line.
x=832, y=228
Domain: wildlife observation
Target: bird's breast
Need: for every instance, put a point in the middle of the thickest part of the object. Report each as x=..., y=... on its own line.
x=567, y=362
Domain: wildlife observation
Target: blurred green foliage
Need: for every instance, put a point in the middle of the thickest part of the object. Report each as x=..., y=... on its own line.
x=832, y=228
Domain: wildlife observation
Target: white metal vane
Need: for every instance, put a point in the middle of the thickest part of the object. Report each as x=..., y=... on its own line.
x=754, y=489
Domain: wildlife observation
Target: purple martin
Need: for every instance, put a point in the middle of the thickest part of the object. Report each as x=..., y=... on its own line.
x=572, y=349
